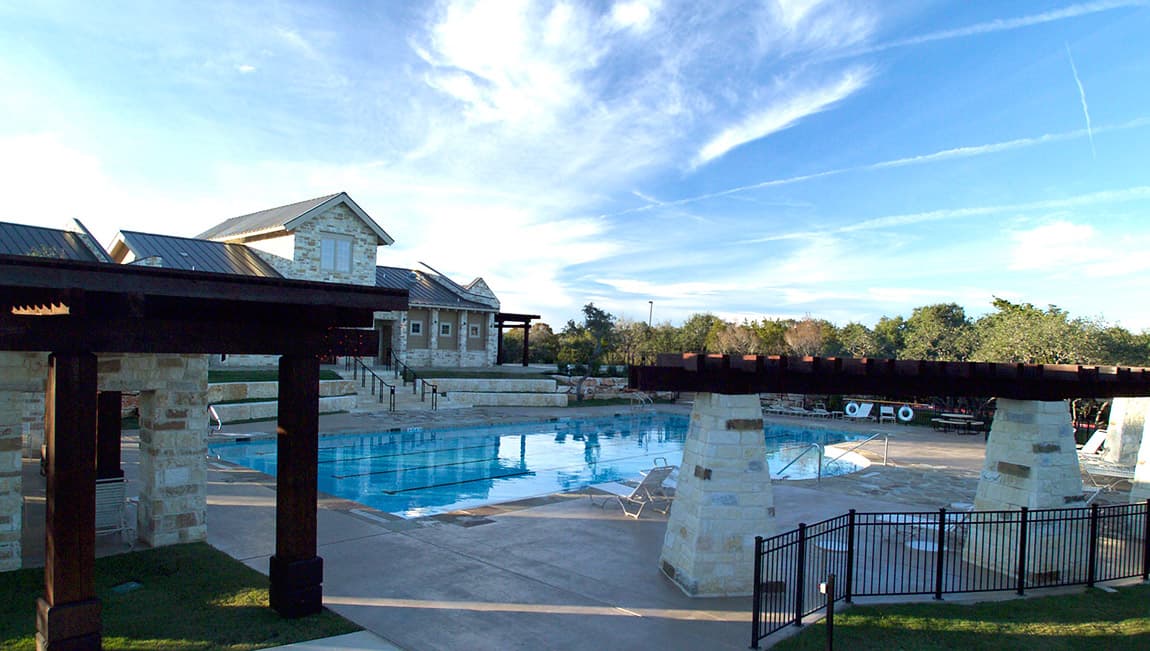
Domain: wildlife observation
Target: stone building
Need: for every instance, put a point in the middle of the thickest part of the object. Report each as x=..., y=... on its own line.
x=331, y=239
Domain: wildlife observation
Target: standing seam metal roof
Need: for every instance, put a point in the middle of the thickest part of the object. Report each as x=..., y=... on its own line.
x=36, y=241
x=263, y=220
x=424, y=289
x=198, y=255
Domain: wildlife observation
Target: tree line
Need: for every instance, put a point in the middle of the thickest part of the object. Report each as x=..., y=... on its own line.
x=1012, y=332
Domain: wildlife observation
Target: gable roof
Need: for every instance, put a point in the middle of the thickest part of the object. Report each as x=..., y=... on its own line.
x=194, y=255
x=40, y=242
x=288, y=218
x=426, y=290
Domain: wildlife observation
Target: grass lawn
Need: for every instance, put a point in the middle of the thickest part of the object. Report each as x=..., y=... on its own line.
x=433, y=374
x=192, y=597
x=1092, y=620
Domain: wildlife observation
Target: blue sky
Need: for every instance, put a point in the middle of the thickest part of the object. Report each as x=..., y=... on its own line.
x=845, y=160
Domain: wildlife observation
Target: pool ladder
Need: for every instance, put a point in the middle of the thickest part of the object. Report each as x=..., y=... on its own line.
x=822, y=454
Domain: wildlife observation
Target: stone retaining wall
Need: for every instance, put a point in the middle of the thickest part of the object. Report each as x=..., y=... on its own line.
x=270, y=409
x=232, y=391
x=486, y=399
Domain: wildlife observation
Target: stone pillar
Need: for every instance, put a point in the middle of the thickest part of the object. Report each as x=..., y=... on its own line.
x=1140, y=489
x=68, y=615
x=723, y=498
x=433, y=335
x=462, y=339
x=1031, y=461
x=1124, y=433
x=296, y=572
x=11, y=485
x=491, y=346
x=173, y=445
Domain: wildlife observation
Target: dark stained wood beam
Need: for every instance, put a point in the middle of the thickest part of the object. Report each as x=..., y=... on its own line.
x=68, y=615
x=296, y=572
x=887, y=377
x=108, y=435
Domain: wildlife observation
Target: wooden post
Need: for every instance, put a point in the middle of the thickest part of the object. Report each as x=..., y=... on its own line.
x=295, y=570
x=108, y=432
x=526, y=330
x=499, y=344
x=68, y=615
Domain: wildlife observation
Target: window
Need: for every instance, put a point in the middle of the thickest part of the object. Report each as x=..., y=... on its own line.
x=417, y=328
x=335, y=254
x=444, y=329
x=474, y=331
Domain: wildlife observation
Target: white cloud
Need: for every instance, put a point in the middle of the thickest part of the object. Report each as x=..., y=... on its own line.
x=635, y=15
x=784, y=112
x=245, y=68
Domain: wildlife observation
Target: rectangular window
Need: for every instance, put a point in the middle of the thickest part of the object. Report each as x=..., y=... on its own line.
x=335, y=254
x=474, y=331
x=417, y=328
x=444, y=329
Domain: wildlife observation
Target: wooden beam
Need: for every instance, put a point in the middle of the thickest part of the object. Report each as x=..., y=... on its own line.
x=296, y=571
x=68, y=615
x=108, y=434
x=887, y=377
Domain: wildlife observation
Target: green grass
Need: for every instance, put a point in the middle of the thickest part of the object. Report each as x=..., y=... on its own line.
x=1092, y=620
x=270, y=375
x=193, y=598
x=433, y=374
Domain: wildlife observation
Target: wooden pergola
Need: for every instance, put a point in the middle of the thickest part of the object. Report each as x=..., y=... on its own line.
x=76, y=310
x=504, y=320
x=735, y=375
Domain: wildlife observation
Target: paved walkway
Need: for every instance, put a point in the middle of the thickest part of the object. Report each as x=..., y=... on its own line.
x=554, y=572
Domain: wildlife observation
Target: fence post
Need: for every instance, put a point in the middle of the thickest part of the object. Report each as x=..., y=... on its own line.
x=939, y=557
x=850, y=555
x=1092, y=553
x=800, y=574
x=757, y=594
x=1146, y=541
x=830, y=592
x=1022, y=531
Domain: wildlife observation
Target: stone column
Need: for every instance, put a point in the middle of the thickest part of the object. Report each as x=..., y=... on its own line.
x=1031, y=461
x=462, y=339
x=1124, y=433
x=11, y=486
x=723, y=498
x=433, y=335
x=173, y=445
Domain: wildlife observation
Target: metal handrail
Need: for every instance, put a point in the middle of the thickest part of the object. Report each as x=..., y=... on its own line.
x=418, y=384
x=885, y=449
x=807, y=448
x=640, y=400
x=356, y=363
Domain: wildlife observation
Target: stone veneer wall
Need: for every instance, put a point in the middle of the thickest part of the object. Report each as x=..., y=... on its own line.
x=339, y=220
x=173, y=431
x=1031, y=461
x=1125, y=431
x=723, y=498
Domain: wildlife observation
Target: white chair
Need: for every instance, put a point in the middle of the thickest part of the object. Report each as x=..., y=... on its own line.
x=649, y=491
x=1093, y=445
x=110, y=514
x=862, y=413
x=885, y=413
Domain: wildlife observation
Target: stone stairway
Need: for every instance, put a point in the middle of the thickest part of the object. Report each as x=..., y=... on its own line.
x=406, y=399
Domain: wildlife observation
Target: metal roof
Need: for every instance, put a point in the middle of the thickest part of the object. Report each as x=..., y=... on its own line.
x=425, y=290
x=286, y=217
x=198, y=255
x=39, y=242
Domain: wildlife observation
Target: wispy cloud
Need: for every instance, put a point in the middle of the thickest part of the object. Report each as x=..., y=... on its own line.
x=1082, y=96
x=941, y=155
x=784, y=113
x=1002, y=25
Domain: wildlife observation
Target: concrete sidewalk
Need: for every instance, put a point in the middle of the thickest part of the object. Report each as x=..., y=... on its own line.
x=556, y=572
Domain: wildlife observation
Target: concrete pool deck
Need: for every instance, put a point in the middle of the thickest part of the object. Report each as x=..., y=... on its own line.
x=552, y=572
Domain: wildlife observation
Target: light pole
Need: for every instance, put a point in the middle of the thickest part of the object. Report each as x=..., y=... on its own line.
x=650, y=312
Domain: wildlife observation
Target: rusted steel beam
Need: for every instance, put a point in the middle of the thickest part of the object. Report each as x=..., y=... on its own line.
x=889, y=377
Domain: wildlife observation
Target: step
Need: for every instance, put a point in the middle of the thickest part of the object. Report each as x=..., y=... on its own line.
x=494, y=385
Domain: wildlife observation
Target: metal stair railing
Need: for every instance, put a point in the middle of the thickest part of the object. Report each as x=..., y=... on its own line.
x=418, y=385
x=361, y=371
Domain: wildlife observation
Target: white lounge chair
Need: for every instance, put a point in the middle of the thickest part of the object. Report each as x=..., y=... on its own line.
x=1104, y=474
x=110, y=513
x=649, y=491
x=885, y=413
x=862, y=413
x=1093, y=445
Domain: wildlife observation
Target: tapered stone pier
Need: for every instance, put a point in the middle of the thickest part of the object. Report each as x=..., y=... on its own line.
x=723, y=498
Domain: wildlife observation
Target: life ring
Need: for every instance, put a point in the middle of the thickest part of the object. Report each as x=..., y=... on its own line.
x=852, y=408
x=905, y=413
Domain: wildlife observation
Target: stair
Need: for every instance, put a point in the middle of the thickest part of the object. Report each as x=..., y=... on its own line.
x=405, y=398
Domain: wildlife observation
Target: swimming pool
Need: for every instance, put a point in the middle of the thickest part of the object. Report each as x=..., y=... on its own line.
x=415, y=473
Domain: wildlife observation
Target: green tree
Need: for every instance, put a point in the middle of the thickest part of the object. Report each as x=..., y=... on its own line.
x=858, y=341
x=772, y=334
x=587, y=343
x=890, y=337
x=1024, y=333
x=938, y=332
x=544, y=344
x=512, y=346
x=693, y=333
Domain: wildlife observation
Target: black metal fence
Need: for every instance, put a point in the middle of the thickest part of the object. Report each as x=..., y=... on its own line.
x=944, y=552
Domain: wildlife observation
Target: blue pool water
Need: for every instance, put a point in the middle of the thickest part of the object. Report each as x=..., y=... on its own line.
x=424, y=472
